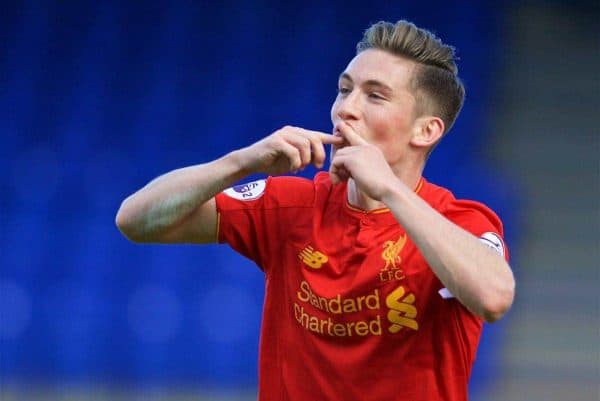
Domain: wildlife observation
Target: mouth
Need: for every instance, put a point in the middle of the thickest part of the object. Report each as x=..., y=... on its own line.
x=336, y=127
x=337, y=132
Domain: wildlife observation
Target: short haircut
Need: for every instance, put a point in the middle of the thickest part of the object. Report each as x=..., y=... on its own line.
x=435, y=84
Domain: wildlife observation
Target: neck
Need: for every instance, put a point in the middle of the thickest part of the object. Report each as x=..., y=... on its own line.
x=359, y=199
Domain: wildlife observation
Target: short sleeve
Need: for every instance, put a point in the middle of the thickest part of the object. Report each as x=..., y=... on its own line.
x=254, y=218
x=480, y=221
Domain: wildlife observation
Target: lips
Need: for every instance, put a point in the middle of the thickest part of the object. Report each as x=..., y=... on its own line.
x=337, y=132
x=336, y=128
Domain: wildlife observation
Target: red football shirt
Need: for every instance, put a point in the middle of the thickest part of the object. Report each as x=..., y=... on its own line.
x=352, y=310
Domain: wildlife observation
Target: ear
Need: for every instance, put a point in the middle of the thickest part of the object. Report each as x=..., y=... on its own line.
x=427, y=131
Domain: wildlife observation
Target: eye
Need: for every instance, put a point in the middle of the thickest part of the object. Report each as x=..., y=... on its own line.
x=343, y=90
x=376, y=95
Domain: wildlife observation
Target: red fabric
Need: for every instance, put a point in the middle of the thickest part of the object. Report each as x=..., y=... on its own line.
x=367, y=324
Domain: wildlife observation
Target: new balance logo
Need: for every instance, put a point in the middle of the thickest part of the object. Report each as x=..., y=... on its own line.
x=312, y=258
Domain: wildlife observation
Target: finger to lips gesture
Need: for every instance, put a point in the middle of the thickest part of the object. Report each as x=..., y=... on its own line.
x=289, y=149
x=340, y=170
x=361, y=161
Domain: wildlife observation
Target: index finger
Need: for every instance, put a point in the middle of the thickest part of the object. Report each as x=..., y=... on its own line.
x=330, y=139
x=350, y=135
x=322, y=137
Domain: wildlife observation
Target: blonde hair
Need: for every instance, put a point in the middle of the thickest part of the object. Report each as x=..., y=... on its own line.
x=435, y=83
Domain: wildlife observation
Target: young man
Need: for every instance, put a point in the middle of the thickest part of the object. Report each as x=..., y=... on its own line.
x=377, y=281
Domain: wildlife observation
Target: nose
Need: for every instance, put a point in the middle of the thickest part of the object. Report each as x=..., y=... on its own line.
x=348, y=106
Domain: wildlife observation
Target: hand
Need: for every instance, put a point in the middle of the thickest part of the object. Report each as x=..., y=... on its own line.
x=361, y=161
x=287, y=149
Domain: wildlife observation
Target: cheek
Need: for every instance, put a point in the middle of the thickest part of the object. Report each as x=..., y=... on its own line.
x=333, y=111
x=399, y=117
x=386, y=126
x=391, y=133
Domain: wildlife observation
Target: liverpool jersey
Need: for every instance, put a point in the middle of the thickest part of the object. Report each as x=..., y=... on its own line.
x=352, y=310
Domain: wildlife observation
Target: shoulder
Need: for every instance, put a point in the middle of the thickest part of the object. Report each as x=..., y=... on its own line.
x=277, y=192
x=298, y=191
x=464, y=212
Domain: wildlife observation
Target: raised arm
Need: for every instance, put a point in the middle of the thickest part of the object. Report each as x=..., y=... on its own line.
x=476, y=275
x=179, y=206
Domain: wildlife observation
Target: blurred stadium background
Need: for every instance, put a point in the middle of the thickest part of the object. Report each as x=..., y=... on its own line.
x=97, y=98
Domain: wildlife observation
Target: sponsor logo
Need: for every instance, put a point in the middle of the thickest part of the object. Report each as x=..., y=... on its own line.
x=250, y=191
x=312, y=258
x=493, y=241
x=391, y=256
x=336, y=316
x=402, y=310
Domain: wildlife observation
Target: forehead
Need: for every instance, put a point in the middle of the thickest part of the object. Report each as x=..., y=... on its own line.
x=379, y=65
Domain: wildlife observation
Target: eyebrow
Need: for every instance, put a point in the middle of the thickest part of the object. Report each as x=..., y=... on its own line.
x=370, y=82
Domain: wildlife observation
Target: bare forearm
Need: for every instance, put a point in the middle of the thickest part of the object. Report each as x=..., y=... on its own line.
x=179, y=206
x=474, y=274
x=167, y=200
